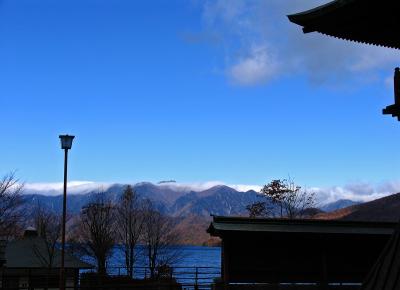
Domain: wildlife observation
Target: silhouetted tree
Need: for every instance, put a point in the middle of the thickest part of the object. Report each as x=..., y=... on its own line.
x=130, y=225
x=291, y=200
x=276, y=191
x=48, y=226
x=10, y=202
x=257, y=209
x=97, y=232
x=297, y=201
x=158, y=238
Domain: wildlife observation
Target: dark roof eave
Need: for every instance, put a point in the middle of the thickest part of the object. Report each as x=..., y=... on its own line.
x=332, y=19
x=306, y=17
x=234, y=219
x=224, y=225
x=353, y=40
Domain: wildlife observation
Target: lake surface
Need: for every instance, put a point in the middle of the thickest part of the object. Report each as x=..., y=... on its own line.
x=196, y=265
x=191, y=256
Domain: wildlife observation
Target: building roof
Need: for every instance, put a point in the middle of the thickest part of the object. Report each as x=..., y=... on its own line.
x=367, y=21
x=31, y=252
x=222, y=225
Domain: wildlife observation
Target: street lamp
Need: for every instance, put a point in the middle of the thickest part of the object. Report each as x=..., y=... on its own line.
x=66, y=144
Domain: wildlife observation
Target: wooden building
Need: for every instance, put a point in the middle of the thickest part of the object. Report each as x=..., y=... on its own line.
x=365, y=21
x=27, y=265
x=377, y=23
x=281, y=251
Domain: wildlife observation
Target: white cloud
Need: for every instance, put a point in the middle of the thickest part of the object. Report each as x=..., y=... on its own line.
x=375, y=57
x=245, y=187
x=81, y=187
x=356, y=191
x=195, y=186
x=56, y=188
x=200, y=186
x=360, y=191
x=259, y=43
x=258, y=67
x=223, y=10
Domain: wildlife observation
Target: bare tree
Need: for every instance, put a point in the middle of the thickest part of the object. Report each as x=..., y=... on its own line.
x=257, y=209
x=130, y=225
x=48, y=225
x=291, y=200
x=275, y=191
x=159, y=239
x=97, y=231
x=10, y=202
x=297, y=200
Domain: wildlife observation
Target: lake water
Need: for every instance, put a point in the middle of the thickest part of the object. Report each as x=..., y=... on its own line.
x=191, y=256
x=197, y=265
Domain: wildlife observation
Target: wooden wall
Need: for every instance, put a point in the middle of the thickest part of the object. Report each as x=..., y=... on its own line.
x=299, y=257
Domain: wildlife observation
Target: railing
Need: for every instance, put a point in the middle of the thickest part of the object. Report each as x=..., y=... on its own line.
x=185, y=278
x=188, y=277
x=168, y=278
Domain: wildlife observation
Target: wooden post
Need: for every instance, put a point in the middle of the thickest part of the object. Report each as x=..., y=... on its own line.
x=324, y=266
x=196, y=286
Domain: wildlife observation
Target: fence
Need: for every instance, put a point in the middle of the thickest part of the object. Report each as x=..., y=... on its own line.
x=177, y=278
x=187, y=276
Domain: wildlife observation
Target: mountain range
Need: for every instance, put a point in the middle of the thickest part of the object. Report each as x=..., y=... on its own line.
x=169, y=199
x=341, y=203
x=386, y=209
x=191, y=208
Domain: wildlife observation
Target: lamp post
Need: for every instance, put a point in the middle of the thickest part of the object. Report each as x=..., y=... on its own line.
x=66, y=144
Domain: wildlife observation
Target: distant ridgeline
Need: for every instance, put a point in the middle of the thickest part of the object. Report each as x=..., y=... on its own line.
x=168, y=198
x=171, y=199
x=191, y=208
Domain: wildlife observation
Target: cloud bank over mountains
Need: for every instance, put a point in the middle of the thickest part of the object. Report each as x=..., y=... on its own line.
x=81, y=187
x=358, y=191
x=74, y=187
x=259, y=44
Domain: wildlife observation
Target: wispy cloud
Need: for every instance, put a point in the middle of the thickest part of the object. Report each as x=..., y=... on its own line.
x=200, y=186
x=255, y=68
x=82, y=187
x=56, y=188
x=245, y=187
x=259, y=44
x=356, y=191
x=194, y=186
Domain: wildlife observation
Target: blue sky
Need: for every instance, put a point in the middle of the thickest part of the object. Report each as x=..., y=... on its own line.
x=194, y=91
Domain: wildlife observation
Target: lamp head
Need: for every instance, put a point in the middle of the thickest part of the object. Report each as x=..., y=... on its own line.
x=66, y=141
